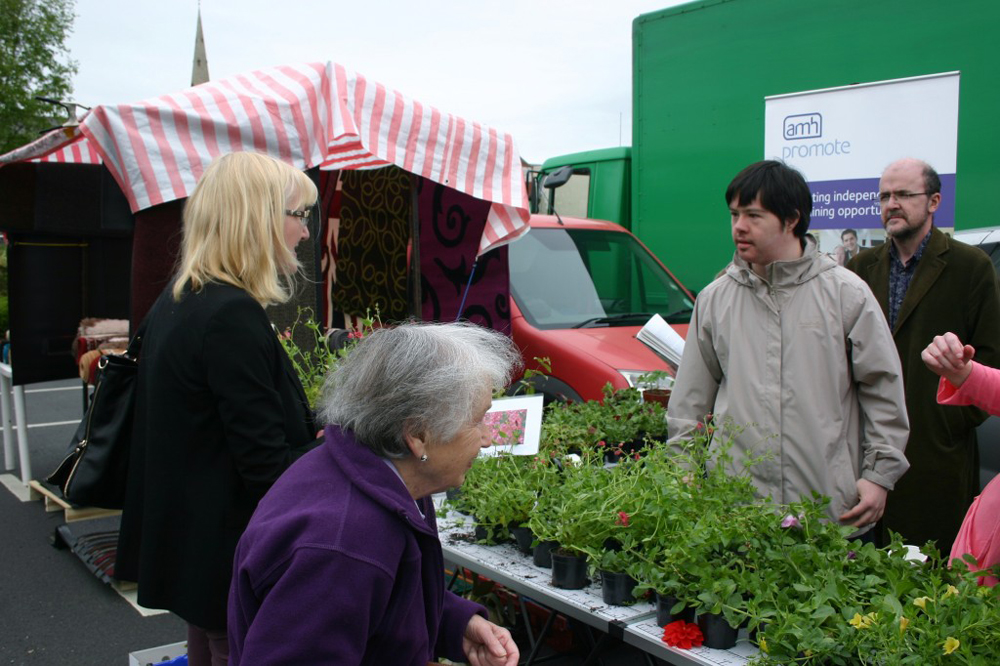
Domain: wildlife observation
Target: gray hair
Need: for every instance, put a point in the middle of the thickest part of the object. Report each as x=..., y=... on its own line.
x=418, y=379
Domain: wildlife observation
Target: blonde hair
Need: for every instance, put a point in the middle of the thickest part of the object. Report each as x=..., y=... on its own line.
x=234, y=225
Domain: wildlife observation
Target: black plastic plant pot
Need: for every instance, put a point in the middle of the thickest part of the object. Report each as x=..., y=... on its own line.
x=524, y=538
x=663, y=614
x=717, y=632
x=542, y=554
x=616, y=588
x=569, y=571
x=491, y=534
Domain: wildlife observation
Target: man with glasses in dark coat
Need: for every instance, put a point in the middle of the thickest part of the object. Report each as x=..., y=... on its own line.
x=927, y=284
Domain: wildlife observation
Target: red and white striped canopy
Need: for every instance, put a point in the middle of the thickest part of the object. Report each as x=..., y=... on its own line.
x=306, y=115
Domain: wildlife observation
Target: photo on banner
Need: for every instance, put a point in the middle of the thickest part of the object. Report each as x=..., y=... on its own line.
x=841, y=139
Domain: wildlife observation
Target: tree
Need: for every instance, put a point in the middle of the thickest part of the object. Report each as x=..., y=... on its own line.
x=34, y=61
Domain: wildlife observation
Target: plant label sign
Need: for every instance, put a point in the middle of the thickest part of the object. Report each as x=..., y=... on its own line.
x=514, y=425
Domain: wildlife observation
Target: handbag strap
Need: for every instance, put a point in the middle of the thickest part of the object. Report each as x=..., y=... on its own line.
x=135, y=344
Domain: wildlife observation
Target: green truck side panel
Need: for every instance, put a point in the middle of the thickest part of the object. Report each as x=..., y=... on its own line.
x=701, y=72
x=611, y=189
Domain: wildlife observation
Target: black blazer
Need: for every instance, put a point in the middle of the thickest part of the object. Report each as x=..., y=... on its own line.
x=219, y=409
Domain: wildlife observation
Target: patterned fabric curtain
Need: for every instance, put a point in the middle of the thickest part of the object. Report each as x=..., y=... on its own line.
x=372, y=243
x=451, y=224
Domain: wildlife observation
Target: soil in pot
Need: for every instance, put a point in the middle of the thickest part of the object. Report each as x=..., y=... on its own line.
x=663, y=615
x=616, y=588
x=717, y=632
x=524, y=538
x=542, y=553
x=569, y=571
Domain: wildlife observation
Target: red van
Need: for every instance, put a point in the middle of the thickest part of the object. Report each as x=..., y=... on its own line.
x=580, y=291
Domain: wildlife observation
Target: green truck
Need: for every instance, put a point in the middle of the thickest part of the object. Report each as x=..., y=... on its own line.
x=701, y=73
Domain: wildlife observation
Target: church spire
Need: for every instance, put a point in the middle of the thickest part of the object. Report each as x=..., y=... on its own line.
x=199, y=70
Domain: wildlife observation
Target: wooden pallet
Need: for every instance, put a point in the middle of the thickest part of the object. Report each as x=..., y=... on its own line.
x=54, y=502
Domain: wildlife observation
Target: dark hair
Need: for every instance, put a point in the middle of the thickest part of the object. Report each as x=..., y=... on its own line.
x=848, y=231
x=932, y=182
x=782, y=189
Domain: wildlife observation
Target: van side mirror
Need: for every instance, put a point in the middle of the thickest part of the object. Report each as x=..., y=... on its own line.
x=557, y=178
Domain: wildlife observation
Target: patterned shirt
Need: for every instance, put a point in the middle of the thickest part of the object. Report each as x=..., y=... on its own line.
x=900, y=277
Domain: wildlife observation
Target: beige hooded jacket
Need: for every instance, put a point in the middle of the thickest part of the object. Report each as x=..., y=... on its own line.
x=806, y=362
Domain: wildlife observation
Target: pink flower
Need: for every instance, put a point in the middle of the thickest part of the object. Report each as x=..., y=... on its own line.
x=791, y=521
x=622, y=519
x=601, y=443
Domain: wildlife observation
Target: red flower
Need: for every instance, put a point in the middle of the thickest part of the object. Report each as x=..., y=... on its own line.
x=622, y=519
x=699, y=425
x=683, y=635
x=601, y=443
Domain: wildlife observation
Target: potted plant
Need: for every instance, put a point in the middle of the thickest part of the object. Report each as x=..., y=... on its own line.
x=313, y=361
x=656, y=387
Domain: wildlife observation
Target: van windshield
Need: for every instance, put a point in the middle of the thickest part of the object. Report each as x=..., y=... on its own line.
x=566, y=278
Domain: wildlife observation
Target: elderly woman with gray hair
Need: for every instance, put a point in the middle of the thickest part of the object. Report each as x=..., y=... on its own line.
x=341, y=562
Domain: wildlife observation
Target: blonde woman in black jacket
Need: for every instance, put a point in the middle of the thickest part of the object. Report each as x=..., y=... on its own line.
x=219, y=409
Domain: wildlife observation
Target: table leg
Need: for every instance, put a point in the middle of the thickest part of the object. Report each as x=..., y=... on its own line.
x=541, y=638
x=6, y=411
x=596, y=648
x=454, y=577
x=24, y=456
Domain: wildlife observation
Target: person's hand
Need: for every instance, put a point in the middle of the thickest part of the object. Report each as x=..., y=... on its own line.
x=487, y=644
x=948, y=357
x=870, y=506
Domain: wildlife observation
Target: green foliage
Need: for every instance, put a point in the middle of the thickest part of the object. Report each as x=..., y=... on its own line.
x=33, y=62
x=501, y=490
x=314, y=362
x=525, y=385
x=685, y=521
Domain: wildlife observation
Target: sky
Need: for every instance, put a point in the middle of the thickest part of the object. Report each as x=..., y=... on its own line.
x=556, y=75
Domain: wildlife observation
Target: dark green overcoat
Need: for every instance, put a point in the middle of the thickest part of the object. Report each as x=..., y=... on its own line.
x=953, y=289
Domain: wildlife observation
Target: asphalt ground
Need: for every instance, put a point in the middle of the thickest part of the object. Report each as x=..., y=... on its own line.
x=53, y=610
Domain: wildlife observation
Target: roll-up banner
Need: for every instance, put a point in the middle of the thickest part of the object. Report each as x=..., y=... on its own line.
x=842, y=138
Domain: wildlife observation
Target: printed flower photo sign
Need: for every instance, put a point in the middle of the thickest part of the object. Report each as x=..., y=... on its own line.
x=515, y=425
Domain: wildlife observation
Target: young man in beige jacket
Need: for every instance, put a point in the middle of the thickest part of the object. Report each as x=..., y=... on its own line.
x=795, y=350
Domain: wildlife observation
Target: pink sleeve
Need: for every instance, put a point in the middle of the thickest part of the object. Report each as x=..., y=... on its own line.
x=980, y=531
x=981, y=388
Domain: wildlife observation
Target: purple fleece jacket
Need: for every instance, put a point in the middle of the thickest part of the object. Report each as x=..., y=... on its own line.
x=338, y=566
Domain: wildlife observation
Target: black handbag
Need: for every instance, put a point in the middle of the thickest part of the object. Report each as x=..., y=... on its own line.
x=95, y=468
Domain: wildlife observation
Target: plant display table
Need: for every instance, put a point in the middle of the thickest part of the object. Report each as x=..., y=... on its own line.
x=635, y=625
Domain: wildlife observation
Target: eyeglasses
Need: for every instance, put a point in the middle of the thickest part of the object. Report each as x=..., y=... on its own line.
x=884, y=197
x=301, y=215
